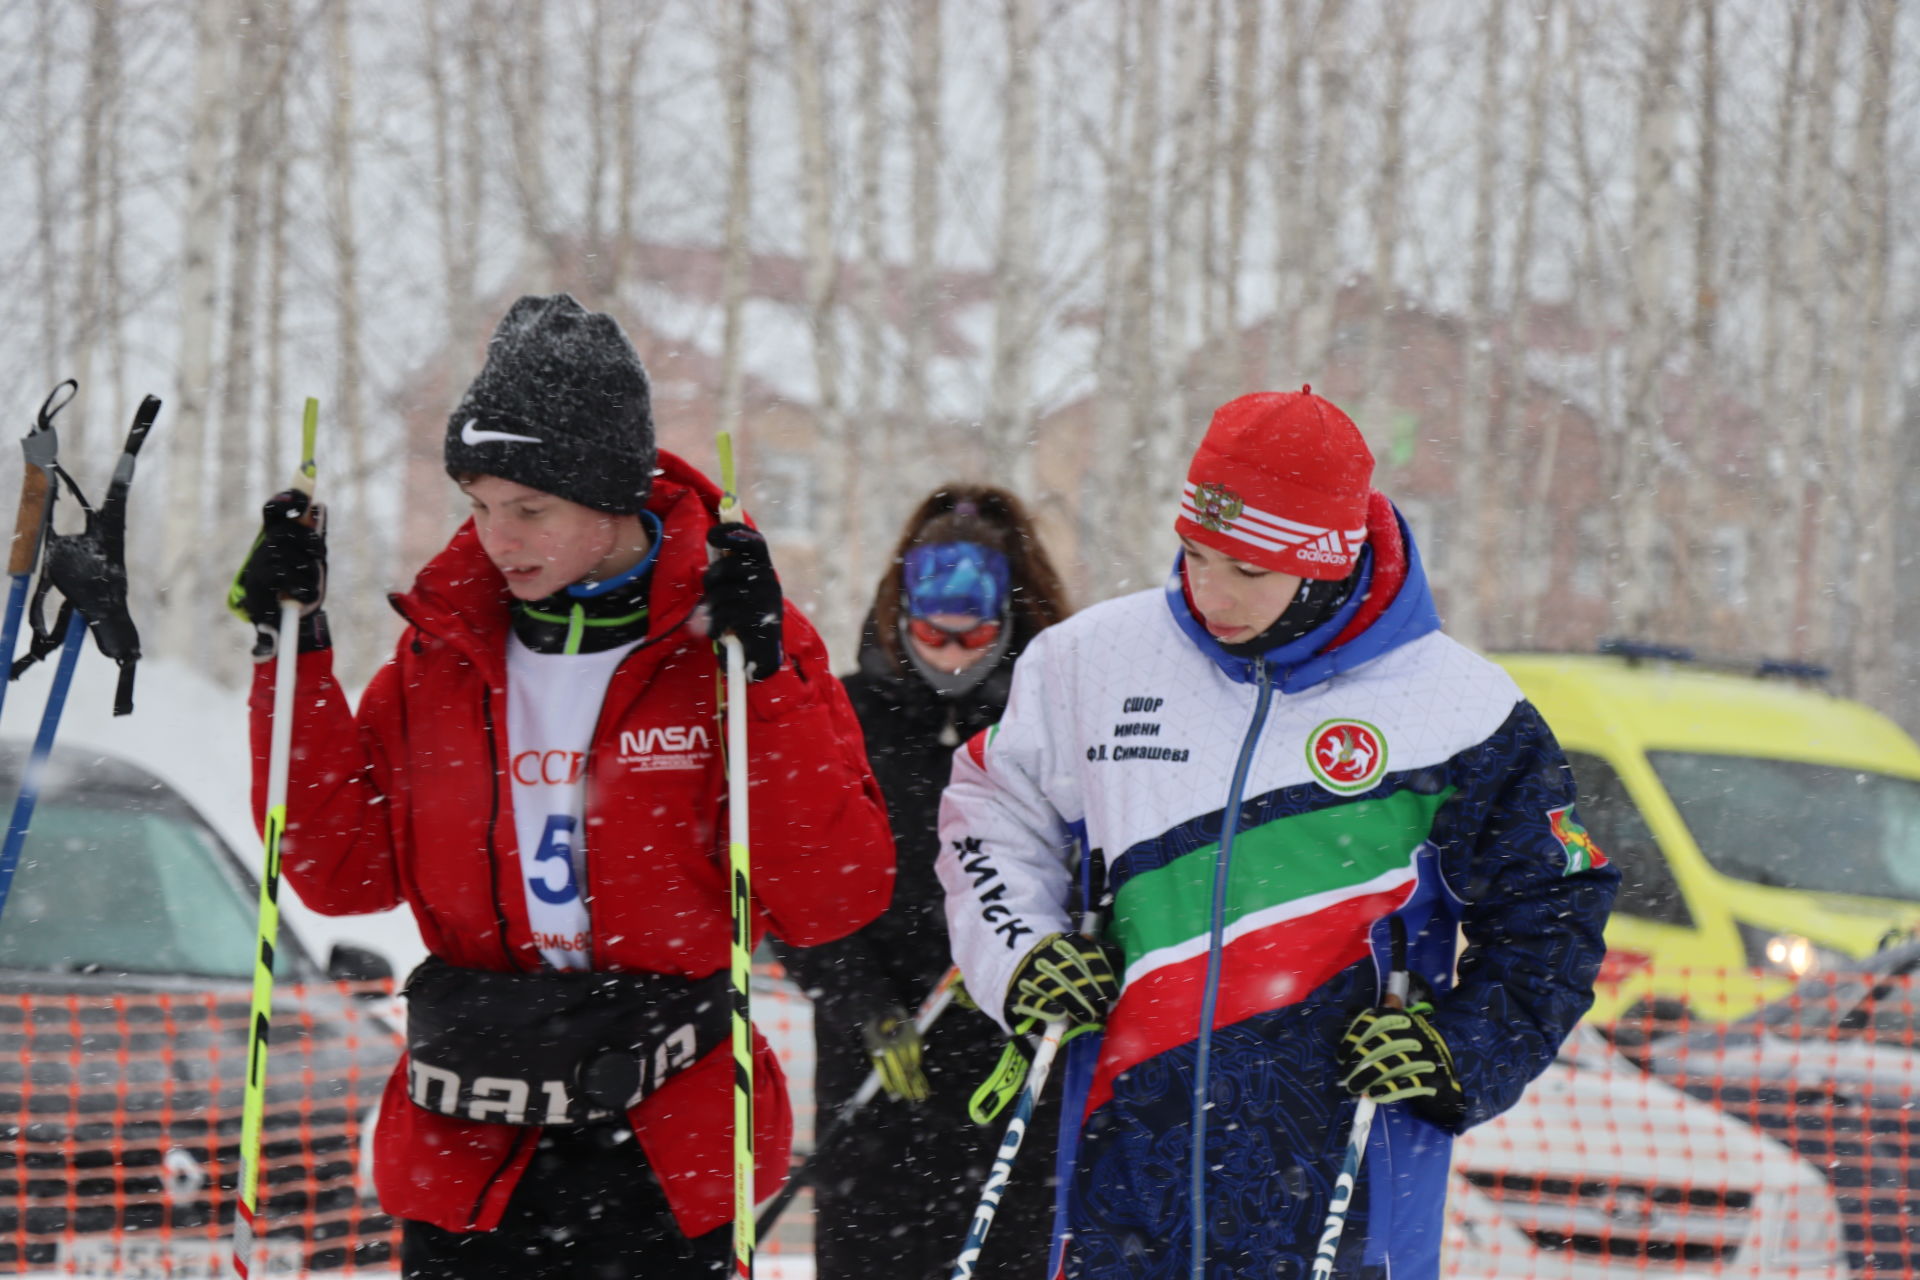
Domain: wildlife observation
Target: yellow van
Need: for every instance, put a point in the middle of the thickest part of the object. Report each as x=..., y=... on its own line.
x=1765, y=829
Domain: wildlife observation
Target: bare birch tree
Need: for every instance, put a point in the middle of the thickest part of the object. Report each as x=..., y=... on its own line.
x=1319, y=239
x=637, y=27
x=1874, y=586
x=737, y=64
x=923, y=87
x=46, y=203
x=1796, y=581
x=1164, y=426
x=1291, y=214
x=521, y=63
x=1229, y=369
x=1465, y=583
x=270, y=458
x=254, y=81
x=1100, y=502
x=832, y=516
x=874, y=412
x=91, y=305
x=1642, y=442
x=1010, y=393
x=1383, y=211
x=1138, y=385
x=186, y=475
x=362, y=607
x=1690, y=602
x=1514, y=438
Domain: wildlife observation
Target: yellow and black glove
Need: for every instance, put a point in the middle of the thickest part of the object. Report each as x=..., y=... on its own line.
x=1396, y=1055
x=893, y=1043
x=287, y=561
x=1066, y=975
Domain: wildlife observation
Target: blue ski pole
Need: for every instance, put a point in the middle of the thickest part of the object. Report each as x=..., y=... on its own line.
x=41, y=449
x=37, y=760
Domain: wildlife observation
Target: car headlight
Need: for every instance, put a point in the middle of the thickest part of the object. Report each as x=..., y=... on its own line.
x=1789, y=954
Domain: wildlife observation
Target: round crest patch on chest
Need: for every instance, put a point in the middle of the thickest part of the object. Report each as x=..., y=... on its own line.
x=1347, y=756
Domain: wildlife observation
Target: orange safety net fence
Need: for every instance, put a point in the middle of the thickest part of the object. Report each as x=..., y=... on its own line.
x=1783, y=1143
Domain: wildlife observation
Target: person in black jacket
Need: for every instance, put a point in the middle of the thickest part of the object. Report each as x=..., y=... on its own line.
x=969, y=585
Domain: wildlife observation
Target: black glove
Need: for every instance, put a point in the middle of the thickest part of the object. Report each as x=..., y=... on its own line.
x=1066, y=975
x=741, y=596
x=288, y=560
x=1395, y=1055
x=893, y=1043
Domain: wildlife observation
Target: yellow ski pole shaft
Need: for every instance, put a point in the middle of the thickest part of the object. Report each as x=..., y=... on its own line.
x=246, y=1226
x=740, y=877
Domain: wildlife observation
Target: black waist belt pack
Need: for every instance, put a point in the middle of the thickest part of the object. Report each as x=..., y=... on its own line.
x=553, y=1048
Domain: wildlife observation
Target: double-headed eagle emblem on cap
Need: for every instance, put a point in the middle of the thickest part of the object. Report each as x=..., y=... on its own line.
x=1218, y=506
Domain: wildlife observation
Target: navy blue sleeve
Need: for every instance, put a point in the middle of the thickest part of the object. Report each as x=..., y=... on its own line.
x=1535, y=895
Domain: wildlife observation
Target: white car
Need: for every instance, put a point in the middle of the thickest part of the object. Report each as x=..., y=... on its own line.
x=1609, y=1172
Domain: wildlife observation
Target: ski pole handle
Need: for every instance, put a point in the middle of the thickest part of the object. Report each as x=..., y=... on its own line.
x=35, y=488
x=40, y=449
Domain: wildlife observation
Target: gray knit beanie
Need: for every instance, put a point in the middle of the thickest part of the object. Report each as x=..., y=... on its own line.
x=561, y=406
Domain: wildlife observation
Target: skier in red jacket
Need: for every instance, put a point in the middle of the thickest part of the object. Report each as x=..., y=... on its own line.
x=537, y=772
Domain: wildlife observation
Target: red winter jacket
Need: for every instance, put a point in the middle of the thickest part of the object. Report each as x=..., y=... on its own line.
x=409, y=800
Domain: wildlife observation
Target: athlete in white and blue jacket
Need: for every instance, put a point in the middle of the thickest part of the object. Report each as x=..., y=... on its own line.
x=1268, y=770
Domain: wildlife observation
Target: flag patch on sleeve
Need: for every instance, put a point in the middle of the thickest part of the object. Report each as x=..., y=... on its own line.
x=977, y=745
x=1582, y=853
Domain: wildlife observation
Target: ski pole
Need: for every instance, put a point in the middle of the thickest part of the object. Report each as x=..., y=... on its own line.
x=1010, y=1142
x=1016, y=1134
x=40, y=449
x=279, y=759
x=1348, y=1178
x=739, y=876
x=36, y=766
x=105, y=525
x=930, y=1010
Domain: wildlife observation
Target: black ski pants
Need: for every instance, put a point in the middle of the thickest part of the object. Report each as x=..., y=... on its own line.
x=896, y=1194
x=589, y=1208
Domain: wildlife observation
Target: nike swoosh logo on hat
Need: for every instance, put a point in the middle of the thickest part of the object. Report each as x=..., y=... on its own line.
x=472, y=435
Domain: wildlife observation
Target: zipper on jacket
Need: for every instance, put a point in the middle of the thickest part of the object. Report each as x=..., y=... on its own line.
x=1222, y=862
x=493, y=828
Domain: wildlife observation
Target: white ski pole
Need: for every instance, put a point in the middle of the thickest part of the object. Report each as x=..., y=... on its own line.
x=740, y=878
x=997, y=1176
x=1348, y=1178
x=279, y=760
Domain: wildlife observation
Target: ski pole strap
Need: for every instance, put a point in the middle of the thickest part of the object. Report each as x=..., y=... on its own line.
x=1002, y=1084
x=89, y=569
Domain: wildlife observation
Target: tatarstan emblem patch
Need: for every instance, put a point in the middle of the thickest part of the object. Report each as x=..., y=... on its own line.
x=1347, y=756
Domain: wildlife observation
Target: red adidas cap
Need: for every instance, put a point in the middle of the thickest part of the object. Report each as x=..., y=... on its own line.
x=1280, y=480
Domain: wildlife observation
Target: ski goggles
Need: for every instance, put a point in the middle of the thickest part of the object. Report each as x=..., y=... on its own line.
x=935, y=636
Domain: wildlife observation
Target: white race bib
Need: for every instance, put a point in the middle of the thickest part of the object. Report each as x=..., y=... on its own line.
x=553, y=703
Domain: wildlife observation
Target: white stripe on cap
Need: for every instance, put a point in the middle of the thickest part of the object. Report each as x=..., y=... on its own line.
x=1271, y=532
